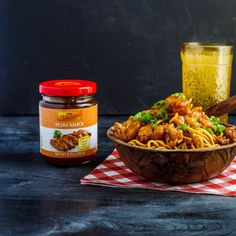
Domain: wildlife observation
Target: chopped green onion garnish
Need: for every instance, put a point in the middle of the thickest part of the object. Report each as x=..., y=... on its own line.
x=178, y=95
x=209, y=131
x=159, y=103
x=154, y=126
x=162, y=112
x=183, y=127
x=218, y=128
x=145, y=117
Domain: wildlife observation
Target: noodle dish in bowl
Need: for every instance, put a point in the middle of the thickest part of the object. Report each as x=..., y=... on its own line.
x=174, y=141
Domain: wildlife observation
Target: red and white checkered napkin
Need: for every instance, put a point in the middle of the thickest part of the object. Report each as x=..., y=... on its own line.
x=113, y=172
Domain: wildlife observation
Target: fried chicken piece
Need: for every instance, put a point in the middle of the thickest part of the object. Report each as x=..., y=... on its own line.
x=201, y=117
x=199, y=113
x=169, y=133
x=145, y=133
x=197, y=117
x=173, y=135
x=178, y=105
x=127, y=130
x=222, y=140
x=179, y=120
x=191, y=121
x=159, y=132
x=230, y=133
x=205, y=123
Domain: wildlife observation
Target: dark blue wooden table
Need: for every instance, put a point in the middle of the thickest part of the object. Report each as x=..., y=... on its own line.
x=39, y=199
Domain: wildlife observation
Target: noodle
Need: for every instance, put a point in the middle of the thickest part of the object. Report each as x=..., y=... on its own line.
x=198, y=138
x=137, y=143
x=174, y=118
x=174, y=123
x=160, y=121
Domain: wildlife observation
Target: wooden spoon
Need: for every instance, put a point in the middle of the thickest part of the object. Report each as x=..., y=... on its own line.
x=223, y=107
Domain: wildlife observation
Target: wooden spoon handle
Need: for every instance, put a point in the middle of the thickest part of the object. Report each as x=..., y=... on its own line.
x=223, y=107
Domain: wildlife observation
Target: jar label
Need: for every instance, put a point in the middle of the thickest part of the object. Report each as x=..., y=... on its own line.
x=68, y=132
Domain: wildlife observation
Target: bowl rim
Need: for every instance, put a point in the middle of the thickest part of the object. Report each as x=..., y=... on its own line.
x=199, y=150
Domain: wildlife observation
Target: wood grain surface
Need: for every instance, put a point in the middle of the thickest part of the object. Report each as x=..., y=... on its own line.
x=39, y=199
x=223, y=107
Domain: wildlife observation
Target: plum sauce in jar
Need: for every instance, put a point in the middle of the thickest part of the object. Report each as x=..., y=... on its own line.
x=68, y=121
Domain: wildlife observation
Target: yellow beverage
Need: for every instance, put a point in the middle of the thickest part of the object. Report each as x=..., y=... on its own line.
x=206, y=73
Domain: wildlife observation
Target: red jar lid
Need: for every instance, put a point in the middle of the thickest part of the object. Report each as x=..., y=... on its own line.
x=67, y=88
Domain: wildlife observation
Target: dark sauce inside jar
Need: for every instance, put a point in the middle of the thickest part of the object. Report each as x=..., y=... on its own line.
x=68, y=111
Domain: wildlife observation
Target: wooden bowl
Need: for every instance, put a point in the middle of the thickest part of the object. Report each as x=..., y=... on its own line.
x=175, y=166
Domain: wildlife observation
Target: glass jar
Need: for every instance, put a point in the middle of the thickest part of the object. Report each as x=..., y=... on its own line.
x=206, y=73
x=68, y=121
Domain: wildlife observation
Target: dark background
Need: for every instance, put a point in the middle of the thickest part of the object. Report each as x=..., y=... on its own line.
x=129, y=47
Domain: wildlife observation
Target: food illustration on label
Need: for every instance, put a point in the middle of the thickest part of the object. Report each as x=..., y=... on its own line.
x=69, y=141
x=57, y=134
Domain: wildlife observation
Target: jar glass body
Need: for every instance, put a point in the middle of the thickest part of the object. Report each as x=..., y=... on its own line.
x=67, y=106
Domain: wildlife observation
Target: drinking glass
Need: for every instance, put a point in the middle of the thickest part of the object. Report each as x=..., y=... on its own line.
x=206, y=73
